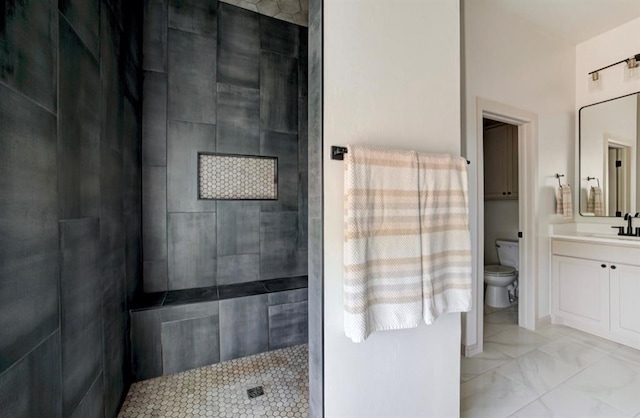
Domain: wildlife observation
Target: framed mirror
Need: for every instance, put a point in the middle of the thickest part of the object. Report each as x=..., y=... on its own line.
x=610, y=157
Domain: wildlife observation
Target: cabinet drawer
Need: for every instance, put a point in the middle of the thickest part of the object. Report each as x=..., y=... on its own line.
x=589, y=251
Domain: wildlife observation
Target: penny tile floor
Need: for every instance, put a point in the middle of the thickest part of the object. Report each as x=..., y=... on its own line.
x=220, y=390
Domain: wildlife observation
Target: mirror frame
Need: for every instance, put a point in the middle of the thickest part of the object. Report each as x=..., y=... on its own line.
x=580, y=193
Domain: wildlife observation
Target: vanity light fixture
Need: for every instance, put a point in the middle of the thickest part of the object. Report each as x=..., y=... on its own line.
x=631, y=62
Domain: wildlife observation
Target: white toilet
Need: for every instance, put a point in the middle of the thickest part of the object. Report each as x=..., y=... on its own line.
x=499, y=278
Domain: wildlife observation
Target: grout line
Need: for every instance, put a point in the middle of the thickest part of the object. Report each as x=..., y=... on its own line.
x=24, y=356
x=31, y=100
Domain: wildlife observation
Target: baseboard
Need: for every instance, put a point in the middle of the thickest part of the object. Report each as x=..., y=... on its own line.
x=470, y=350
x=543, y=322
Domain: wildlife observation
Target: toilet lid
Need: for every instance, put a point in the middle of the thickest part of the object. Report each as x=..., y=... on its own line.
x=499, y=271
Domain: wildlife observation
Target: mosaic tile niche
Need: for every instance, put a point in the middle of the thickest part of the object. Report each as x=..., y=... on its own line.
x=237, y=177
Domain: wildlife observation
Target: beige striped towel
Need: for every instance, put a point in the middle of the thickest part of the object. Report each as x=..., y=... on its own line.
x=590, y=201
x=598, y=203
x=445, y=237
x=564, y=205
x=382, y=271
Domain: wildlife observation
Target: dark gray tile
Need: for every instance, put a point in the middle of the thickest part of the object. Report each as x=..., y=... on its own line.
x=197, y=16
x=192, y=77
x=278, y=93
x=28, y=41
x=303, y=62
x=288, y=325
x=303, y=213
x=288, y=296
x=243, y=327
x=285, y=264
x=303, y=135
x=81, y=308
x=278, y=232
x=32, y=387
x=189, y=343
x=285, y=147
x=286, y=284
x=238, y=268
x=238, y=227
x=154, y=119
x=240, y=290
x=114, y=336
x=278, y=36
x=192, y=250
x=92, y=406
x=111, y=203
x=132, y=200
x=78, y=129
x=155, y=35
x=148, y=301
x=155, y=276
x=185, y=140
x=84, y=17
x=146, y=350
x=238, y=47
x=238, y=127
x=186, y=296
x=110, y=79
x=154, y=209
x=190, y=311
x=28, y=226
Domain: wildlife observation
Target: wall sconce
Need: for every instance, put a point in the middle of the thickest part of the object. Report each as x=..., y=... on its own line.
x=631, y=71
x=632, y=67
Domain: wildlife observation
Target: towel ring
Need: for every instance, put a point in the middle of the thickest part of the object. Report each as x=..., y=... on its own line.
x=594, y=178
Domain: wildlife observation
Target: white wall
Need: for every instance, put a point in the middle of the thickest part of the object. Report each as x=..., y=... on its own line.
x=391, y=78
x=514, y=62
x=612, y=46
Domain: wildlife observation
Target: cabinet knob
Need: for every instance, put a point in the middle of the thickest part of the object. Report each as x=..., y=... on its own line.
x=508, y=192
x=613, y=267
x=504, y=193
x=603, y=265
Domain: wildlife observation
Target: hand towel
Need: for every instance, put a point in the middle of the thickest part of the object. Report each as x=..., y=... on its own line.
x=591, y=201
x=567, y=206
x=445, y=237
x=598, y=202
x=382, y=272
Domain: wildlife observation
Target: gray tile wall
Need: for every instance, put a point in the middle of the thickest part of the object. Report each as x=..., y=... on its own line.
x=219, y=78
x=315, y=215
x=70, y=203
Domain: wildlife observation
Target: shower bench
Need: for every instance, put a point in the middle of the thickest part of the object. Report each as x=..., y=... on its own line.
x=180, y=330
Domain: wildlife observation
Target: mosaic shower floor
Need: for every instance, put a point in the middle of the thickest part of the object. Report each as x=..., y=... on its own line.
x=220, y=390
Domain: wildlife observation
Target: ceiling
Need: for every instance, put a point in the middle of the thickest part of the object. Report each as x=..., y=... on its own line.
x=575, y=20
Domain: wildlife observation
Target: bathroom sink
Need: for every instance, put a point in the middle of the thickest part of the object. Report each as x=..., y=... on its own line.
x=617, y=237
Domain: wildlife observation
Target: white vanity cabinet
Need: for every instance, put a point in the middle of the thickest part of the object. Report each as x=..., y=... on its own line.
x=595, y=288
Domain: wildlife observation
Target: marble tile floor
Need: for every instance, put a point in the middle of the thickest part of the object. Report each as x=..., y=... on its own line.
x=553, y=372
x=220, y=390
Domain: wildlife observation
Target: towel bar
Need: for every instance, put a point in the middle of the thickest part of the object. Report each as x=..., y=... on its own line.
x=337, y=153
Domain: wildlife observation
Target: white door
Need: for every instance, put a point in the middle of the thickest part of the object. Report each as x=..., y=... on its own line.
x=625, y=303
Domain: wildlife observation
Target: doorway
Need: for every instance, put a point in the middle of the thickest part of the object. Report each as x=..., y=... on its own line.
x=526, y=123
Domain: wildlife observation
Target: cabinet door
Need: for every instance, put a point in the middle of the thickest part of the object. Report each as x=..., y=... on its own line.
x=496, y=160
x=625, y=303
x=580, y=290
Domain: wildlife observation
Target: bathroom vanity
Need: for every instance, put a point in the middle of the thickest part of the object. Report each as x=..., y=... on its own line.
x=595, y=285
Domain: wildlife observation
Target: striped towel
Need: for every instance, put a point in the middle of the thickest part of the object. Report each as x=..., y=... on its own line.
x=598, y=203
x=591, y=201
x=445, y=237
x=564, y=206
x=382, y=271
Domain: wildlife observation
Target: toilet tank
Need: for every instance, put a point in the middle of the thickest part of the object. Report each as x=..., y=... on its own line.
x=508, y=253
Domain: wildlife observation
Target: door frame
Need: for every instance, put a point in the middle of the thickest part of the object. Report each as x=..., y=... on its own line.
x=527, y=123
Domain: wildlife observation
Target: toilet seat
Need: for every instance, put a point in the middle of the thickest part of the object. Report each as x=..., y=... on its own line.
x=499, y=271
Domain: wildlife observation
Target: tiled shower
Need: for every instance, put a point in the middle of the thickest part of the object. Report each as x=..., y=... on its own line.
x=113, y=267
